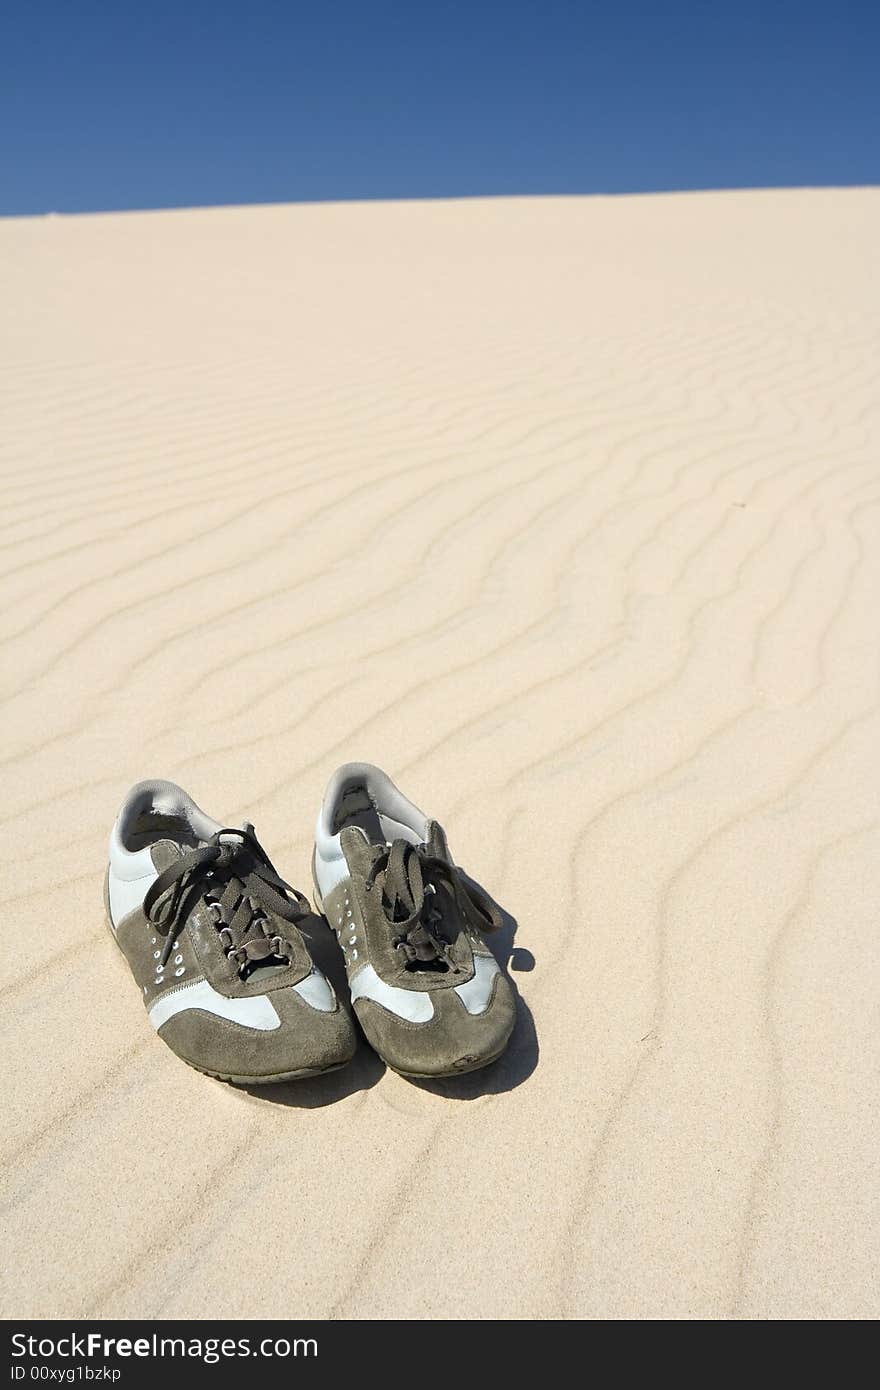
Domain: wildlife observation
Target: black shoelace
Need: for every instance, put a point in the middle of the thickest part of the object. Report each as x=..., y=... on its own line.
x=234, y=875
x=410, y=881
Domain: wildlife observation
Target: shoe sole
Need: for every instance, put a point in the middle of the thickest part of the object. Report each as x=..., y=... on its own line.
x=263, y=1080
x=272, y=1080
x=455, y=1071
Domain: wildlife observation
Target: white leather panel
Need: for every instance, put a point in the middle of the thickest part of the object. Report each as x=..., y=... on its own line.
x=331, y=867
x=258, y=1011
x=475, y=995
x=412, y=1004
x=127, y=894
x=317, y=991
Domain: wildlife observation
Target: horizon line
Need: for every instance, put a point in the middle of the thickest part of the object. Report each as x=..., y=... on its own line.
x=368, y=198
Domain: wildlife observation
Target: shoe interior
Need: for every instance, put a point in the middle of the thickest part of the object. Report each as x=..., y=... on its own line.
x=162, y=811
x=148, y=829
x=366, y=798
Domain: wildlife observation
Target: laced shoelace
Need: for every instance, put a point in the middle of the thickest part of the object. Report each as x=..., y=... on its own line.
x=410, y=880
x=240, y=887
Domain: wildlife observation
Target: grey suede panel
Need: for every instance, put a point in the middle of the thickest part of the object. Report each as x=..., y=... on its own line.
x=377, y=933
x=142, y=946
x=307, y=1040
x=223, y=973
x=453, y=1040
x=201, y=953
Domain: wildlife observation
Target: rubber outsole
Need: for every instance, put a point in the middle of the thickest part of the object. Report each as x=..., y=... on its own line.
x=444, y=1075
x=263, y=1080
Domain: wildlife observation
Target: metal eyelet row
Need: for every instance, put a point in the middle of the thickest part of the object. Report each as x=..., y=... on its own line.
x=160, y=968
x=344, y=923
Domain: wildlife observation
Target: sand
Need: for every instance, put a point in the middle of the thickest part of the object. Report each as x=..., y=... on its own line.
x=566, y=512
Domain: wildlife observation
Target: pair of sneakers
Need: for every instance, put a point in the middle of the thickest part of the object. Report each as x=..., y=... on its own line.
x=212, y=935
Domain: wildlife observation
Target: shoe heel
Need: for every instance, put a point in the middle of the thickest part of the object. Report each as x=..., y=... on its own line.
x=319, y=901
x=107, y=900
x=107, y=912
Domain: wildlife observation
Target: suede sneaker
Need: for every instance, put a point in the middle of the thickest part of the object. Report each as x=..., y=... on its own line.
x=427, y=992
x=212, y=937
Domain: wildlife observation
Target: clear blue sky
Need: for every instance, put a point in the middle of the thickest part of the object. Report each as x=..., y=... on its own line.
x=129, y=105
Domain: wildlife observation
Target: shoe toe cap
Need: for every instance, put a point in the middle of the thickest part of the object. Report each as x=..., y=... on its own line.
x=455, y=1039
x=294, y=1036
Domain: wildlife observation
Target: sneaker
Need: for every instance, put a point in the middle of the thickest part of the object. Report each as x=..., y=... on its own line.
x=212, y=937
x=427, y=993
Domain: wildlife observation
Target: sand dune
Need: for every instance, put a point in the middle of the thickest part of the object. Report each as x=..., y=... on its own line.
x=566, y=512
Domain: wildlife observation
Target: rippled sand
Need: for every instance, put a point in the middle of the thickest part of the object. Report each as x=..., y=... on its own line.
x=566, y=512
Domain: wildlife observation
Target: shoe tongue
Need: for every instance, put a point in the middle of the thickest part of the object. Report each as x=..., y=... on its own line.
x=263, y=970
x=357, y=848
x=163, y=853
x=436, y=841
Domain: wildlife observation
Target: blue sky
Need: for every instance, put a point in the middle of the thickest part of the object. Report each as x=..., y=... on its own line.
x=125, y=105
